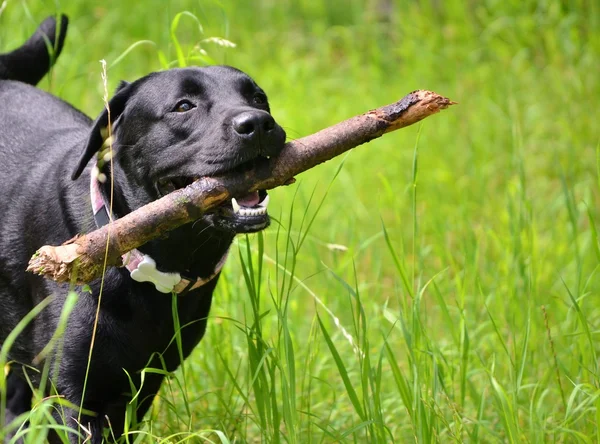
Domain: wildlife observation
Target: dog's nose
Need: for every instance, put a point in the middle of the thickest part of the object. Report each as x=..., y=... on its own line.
x=253, y=124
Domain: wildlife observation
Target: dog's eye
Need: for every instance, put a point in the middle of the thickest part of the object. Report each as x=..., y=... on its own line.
x=259, y=99
x=183, y=106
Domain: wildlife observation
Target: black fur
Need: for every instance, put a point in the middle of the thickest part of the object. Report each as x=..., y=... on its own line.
x=43, y=142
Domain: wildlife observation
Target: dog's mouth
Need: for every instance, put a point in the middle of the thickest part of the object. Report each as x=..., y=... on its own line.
x=243, y=214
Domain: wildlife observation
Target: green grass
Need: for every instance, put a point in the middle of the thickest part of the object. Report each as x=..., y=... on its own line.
x=445, y=286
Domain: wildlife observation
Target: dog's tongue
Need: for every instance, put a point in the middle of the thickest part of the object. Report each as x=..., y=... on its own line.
x=249, y=200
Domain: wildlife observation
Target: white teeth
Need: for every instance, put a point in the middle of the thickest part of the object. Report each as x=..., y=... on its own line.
x=235, y=205
x=252, y=211
x=265, y=202
x=260, y=210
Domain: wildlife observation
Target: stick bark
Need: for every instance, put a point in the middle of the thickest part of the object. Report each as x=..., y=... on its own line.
x=81, y=259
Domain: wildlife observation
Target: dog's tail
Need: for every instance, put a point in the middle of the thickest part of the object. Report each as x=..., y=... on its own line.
x=33, y=60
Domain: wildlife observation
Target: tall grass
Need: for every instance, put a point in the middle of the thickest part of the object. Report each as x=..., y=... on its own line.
x=444, y=287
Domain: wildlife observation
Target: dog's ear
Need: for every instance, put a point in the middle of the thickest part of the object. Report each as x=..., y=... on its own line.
x=116, y=105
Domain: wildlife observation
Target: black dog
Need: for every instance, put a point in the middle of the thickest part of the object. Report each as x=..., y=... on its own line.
x=168, y=128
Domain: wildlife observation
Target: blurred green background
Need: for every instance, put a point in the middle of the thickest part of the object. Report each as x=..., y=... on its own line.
x=454, y=264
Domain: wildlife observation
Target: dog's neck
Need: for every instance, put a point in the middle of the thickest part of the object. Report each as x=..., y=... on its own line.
x=183, y=250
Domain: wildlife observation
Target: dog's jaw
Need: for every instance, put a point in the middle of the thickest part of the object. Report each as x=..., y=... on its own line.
x=246, y=214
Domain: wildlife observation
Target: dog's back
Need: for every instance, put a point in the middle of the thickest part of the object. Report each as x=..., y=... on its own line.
x=37, y=131
x=30, y=117
x=25, y=107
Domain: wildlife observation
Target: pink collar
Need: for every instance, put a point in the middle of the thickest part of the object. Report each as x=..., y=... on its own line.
x=142, y=268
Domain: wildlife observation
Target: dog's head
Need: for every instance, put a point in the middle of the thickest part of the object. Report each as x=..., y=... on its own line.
x=173, y=127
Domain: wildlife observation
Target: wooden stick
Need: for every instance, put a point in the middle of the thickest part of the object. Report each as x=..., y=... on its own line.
x=81, y=258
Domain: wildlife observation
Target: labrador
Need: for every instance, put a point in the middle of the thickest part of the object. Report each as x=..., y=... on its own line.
x=163, y=131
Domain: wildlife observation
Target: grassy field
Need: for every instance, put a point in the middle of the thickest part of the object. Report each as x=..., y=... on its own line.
x=439, y=284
